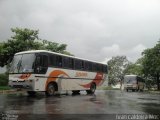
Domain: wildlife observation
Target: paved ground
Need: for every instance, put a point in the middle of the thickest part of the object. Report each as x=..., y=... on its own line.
x=21, y=106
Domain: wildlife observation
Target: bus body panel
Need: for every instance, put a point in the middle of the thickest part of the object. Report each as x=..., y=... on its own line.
x=65, y=79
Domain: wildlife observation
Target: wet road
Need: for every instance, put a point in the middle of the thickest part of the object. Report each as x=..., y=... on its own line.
x=102, y=102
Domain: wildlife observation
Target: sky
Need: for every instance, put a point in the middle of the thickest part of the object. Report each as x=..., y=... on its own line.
x=92, y=29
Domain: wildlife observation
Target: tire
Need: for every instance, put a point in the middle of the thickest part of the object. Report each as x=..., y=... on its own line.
x=92, y=89
x=133, y=90
x=138, y=89
x=75, y=92
x=141, y=90
x=50, y=90
x=31, y=93
x=127, y=90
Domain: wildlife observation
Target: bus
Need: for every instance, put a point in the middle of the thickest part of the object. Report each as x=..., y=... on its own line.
x=133, y=82
x=52, y=73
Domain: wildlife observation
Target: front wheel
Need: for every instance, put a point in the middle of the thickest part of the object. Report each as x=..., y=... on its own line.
x=133, y=90
x=50, y=90
x=138, y=89
x=92, y=89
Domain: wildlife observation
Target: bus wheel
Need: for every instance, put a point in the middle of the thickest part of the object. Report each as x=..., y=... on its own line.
x=75, y=92
x=31, y=93
x=127, y=90
x=138, y=89
x=50, y=90
x=92, y=89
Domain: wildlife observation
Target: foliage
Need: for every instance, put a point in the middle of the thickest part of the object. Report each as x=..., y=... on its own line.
x=151, y=63
x=117, y=66
x=135, y=68
x=3, y=79
x=4, y=88
x=109, y=88
x=55, y=47
x=150, y=83
x=26, y=39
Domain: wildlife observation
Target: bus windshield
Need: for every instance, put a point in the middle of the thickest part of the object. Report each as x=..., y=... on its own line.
x=23, y=63
x=130, y=79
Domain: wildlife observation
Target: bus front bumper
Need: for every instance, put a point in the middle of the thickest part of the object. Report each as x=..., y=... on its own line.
x=130, y=87
x=20, y=85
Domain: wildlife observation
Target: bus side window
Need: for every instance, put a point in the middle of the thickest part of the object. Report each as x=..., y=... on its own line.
x=98, y=68
x=45, y=61
x=65, y=62
x=105, y=69
x=71, y=63
x=90, y=66
x=83, y=66
x=77, y=64
x=86, y=65
x=41, y=65
x=59, y=61
x=52, y=60
x=93, y=67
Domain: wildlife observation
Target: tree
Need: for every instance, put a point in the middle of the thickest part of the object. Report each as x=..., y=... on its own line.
x=55, y=47
x=151, y=63
x=135, y=68
x=26, y=39
x=117, y=66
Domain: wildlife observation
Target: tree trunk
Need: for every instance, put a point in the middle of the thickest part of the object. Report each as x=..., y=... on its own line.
x=158, y=86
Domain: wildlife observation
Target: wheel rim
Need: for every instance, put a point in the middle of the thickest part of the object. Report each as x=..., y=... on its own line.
x=51, y=90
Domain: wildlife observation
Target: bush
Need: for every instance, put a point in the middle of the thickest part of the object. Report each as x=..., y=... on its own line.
x=150, y=84
x=3, y=79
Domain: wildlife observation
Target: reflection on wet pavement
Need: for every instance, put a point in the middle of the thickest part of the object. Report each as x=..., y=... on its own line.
x=102, y=102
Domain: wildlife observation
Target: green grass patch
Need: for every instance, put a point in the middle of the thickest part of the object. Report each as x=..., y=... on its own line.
x=154, y=91
x=108, y=88
x=5, y=88
x=3, y=79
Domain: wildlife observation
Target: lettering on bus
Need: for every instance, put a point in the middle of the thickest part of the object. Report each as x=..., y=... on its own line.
x=81, y=74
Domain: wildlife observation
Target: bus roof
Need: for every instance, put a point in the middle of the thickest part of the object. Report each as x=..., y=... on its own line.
x=45, y=51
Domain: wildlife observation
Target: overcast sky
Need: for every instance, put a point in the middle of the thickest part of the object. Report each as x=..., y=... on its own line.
x=92, y=29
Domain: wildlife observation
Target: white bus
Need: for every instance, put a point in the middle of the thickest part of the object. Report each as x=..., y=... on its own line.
x=133, y=82
x=51, y=72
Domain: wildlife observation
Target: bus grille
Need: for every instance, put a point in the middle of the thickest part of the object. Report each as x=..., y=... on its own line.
x=18, y=86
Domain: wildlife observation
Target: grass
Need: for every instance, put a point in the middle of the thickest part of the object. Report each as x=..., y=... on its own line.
x=154, y=91
x=4, y=88
x=108, y=88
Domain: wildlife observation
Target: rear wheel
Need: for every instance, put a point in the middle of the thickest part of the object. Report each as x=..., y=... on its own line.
x=138, y=89
x=50, y=90
x=92, y=89
x=75, y=91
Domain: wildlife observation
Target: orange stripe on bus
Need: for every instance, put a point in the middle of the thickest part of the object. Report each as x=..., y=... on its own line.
x=53, y=75
x=97, y=80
